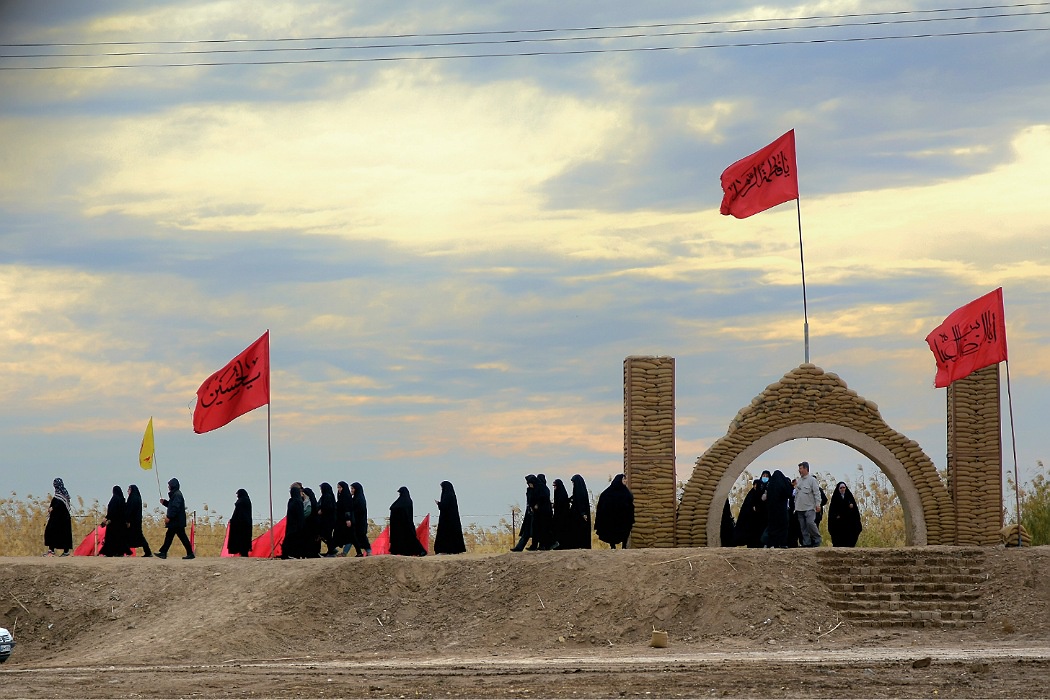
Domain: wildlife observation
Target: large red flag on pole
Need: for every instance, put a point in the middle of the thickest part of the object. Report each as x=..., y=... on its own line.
x=762, y=180
x=241, y=386
x=972, y=337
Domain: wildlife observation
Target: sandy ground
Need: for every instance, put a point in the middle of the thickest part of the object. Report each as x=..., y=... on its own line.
x=741, y=623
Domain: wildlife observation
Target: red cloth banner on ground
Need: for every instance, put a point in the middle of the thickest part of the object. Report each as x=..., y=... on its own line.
x=972, y=337
x=90, y=545
x=381, y=544
x=762, y=180
x=225, y=552
x=261, y=544
x=241, y=386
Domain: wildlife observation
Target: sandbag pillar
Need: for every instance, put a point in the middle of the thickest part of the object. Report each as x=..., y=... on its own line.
x=649, y=448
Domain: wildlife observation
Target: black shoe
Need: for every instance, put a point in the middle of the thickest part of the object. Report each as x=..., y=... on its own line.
x=358, y=555
x=162, y=555
x=147, y=554
x=191, y=555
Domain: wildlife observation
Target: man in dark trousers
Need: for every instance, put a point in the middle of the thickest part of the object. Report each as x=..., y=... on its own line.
x=175, y=521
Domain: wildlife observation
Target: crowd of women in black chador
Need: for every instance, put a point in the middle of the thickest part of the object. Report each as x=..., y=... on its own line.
x=767, y=516
x=563, y=521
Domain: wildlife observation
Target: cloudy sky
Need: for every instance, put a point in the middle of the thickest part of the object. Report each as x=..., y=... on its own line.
x=457, y=219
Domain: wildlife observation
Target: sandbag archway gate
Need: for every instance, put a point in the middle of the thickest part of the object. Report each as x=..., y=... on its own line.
x=808, y=402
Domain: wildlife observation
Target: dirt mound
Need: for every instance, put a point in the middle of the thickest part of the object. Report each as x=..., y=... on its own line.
x=95, y=612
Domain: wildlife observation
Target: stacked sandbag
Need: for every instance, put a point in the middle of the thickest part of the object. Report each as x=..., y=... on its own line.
x=1008, y=536
x=648, y=448
x=975, y=457
x=808, y=394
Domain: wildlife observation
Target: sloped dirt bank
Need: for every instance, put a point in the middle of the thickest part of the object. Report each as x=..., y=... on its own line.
x=544, y=624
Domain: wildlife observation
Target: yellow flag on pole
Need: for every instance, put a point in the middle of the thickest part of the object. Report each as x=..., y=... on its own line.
x=147, y=449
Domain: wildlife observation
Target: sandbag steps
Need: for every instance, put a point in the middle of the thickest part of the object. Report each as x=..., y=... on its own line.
x=905, y=588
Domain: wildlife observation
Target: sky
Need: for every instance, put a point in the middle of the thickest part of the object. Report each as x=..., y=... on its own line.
x=456, y=220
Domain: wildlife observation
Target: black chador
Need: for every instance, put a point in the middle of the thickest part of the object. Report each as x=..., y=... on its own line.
x=778, y=510
x=312, y=531
x=326, y=518
x=115, y=544
x=561, y=515
x=240, y=540
x=359, y=520
x=402, y=527
x=844, y=524
x=728, y=527
x=133, y=515
x=614, y=514
x=542, y=514
x=341, y=534
x=449, y=537
x=294, y=525
x=525, y=531
x=579, y=516
x=751, y=522
x=58, y=533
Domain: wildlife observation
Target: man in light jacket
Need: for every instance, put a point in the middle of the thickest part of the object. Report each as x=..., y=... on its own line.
x=807, y=505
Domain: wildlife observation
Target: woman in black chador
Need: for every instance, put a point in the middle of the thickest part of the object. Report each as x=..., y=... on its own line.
x=294, y=525
x=240, y=540
x=561, y=516
x=403, y=528
x=58, y=533
x=312, y=530
x=525, y=531
x=449, y=537
x=134, y=518
x=326, y=516
x=341, y=534
x=359, y=520
x=778, y=510
x=115, y=544
x=614, y=514
x=579, y=516
x=843, y=517
x=728, y=527
x=542, y=515
x=751, y=521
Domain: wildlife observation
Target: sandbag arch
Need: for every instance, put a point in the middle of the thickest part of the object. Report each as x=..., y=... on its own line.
x=808, y=402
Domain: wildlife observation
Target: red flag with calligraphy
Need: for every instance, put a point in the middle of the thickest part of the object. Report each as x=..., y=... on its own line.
x=972, y=337
x=762, y=180
x=241, y=386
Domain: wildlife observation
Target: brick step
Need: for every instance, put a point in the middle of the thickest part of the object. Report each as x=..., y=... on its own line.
x=912, y=615
x=918, y=584
x=930, y=596
x=942, y=624
x=866, y=570
x=850, y=568
x=902, y=605
x=901, y=580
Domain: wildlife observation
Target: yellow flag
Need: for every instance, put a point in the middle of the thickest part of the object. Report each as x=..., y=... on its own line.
x=147, y=449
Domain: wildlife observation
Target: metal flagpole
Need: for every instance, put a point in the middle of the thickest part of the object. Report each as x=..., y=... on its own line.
x=269, y=475
x=802, y=259
x=269, y=450
x=1013, y=443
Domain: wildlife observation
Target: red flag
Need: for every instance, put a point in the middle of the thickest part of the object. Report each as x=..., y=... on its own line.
x=381, y=544
x=762, y=180
x=261, y=544
x=972, y=337
x=241, y=386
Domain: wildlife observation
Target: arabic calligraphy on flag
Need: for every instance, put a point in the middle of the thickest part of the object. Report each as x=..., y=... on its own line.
x=241, y=386
x=762, y=180
x=971, y=337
